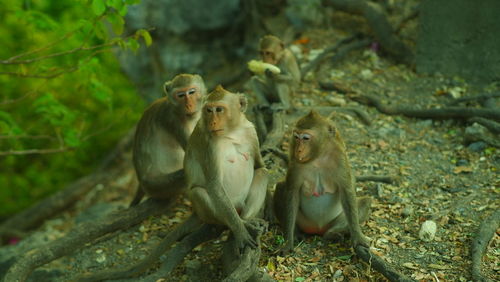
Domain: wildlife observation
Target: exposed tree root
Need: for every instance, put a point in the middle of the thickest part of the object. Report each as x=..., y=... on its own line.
x=377, y=21
x=443, y=113
x=37, y=214
x=480, y=242
x=478, y=98
x=176, y=254
x=380, y=265
x=190, y=225
x=493, y=127
x=80, y=235
x=245, y=266
x=325, y=54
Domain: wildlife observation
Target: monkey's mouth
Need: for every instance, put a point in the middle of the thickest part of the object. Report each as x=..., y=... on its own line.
x=217, y=132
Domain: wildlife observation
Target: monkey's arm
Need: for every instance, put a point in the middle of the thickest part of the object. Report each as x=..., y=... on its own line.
x=257, y=194
x=222, y=202
x=290, y=72
x=350, y=208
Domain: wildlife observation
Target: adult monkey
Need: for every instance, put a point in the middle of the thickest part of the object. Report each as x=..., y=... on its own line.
x=227, y=180
x=161, y=138
x=318, y=195
x=275, y=89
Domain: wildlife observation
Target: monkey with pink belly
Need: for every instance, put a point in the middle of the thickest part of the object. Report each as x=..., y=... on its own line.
x=318, y=195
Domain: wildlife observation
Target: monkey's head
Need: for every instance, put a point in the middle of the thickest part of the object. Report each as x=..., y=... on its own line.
x=186, y=92
x=310, y=133
x=223, y=110
x=271, y=49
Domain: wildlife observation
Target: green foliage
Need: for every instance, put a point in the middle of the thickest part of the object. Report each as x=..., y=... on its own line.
x=62, y=90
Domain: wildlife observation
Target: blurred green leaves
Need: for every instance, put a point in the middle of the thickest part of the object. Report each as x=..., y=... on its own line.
x=62, y=88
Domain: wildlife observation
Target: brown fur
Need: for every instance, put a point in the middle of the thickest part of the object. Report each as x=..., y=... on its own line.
x=318, y=195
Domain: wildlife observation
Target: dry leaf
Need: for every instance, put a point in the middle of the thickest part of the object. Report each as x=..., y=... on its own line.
x=460, y=169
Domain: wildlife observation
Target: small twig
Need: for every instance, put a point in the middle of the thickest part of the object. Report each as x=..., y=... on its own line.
x=14, y=58
x=377, y=178
x=34, y=137
x=35, y=151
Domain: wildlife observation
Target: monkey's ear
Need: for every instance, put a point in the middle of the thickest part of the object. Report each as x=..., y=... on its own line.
x=166, y=87
x=243, y=102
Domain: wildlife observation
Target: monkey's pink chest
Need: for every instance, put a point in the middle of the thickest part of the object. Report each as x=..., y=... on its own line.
x=241, y=156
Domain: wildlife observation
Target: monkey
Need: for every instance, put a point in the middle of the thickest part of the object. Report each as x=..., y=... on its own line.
x=275, y=89
x=162, y=135
x=318, y=194
x=226, y=177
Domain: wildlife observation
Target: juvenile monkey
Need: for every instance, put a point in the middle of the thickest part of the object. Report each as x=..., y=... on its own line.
x=161, y=138
x=318, y=195
x=275, y=89
x=226, y=176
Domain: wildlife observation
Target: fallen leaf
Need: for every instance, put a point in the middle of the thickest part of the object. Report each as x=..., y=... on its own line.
x=410, y=265
x=438, y=266
x=460, y=169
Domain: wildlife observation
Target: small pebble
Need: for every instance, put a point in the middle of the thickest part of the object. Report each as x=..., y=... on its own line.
x=427, y=231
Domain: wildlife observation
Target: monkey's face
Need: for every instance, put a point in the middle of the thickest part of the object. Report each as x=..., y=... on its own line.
x=303, y=145
x=217, y=117
x=271, y=55
x=188, y=98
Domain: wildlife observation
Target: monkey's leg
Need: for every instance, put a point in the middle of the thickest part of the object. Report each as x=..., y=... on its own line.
x=286, y=207
x=340, y=226
x=257, y=194
x=165, y=186
x=284, y=94
x=278, y=197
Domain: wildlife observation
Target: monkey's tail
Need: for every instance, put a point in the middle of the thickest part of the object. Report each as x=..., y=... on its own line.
x=138, y=197
x=188, y=226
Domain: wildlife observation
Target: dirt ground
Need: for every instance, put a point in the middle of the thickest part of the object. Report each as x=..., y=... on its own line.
x=440, y=178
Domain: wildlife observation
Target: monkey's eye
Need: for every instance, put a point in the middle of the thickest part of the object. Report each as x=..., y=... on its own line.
x=219, y=109
x=306, y=137
x=191, y=91
x=209, y=110
x=181, y=94
x=296, y=135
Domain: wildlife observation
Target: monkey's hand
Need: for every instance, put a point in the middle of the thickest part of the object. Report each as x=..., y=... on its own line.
x=244, y=239
x=277, y=107
x=286, y=249
x=360, y=240
x=269, y=73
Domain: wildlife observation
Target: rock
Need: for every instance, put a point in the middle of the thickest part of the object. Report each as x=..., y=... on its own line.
x=407, y=211
x=462, y=162
x=305, y=13
x=427, y=231
x=477, y=146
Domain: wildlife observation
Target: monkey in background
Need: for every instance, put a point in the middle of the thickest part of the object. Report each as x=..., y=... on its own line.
x=275, y=89
x=162, y=135
x=318, y=195
x=227, y=180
